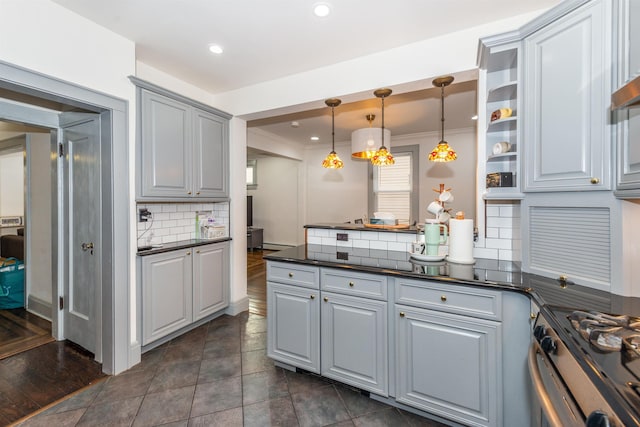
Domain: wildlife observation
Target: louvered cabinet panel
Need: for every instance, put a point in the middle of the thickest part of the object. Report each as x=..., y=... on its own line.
x=571, y=241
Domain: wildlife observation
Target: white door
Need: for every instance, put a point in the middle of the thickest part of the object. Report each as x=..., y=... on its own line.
x=81, y=229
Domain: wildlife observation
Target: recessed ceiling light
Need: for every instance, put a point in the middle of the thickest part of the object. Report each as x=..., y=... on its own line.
x=321, y=9
x=315, y=138
x=214, y=48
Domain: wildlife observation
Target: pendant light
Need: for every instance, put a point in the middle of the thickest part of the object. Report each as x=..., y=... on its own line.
x=443, y=152
x=364, y=141
x=332, y=161
x=382, y=157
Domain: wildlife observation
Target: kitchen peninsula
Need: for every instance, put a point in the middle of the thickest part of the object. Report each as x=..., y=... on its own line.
x=443, y=339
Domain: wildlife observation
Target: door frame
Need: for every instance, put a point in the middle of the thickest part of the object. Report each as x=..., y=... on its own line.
x=118, y=343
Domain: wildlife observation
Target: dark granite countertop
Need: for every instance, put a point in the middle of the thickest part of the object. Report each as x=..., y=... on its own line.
x=505, y=275
x=182, y=244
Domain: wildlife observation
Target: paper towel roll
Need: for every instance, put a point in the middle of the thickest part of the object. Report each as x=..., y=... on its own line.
x=461, y=241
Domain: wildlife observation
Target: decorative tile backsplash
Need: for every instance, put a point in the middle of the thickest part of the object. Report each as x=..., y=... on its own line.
x=173, y=222
x=381, y=240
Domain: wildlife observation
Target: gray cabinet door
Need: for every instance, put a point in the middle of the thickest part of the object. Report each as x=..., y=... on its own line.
x=567, y=89
x=166, y=294
x=448, y=365
x=354, y=341
x=293, y=326
x=166, y=147
x=210, y=279
x=210, y=155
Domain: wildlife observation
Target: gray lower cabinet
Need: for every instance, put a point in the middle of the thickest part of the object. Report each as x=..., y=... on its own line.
x=210, y=279
x=166, y=294
x=293, y=325
x=293, y=315
x=181, y=287
x=354, y=341
x=447, y=364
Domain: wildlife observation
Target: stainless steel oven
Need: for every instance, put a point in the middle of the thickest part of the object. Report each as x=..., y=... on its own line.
x=570, y=387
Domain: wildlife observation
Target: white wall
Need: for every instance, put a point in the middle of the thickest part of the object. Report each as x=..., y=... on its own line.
x=12, y=183
x=39, y=230
x=335, y=195
x=276, y=200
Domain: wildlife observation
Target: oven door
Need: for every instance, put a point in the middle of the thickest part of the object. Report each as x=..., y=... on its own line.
x=553, y=404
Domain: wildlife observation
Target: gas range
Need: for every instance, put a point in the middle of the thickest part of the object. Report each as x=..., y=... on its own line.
x=596, y=356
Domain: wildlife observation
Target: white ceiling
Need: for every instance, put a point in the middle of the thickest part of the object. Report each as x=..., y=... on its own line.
x=265, y=40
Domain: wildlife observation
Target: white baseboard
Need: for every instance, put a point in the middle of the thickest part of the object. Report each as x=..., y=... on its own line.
x=237, y=307
x=37, y=306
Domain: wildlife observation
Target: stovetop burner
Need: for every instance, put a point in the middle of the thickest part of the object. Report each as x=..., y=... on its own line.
x=607, y=333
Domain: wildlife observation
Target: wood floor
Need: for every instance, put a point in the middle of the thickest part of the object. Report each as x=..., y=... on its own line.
x=33, y=379
x=257, y=282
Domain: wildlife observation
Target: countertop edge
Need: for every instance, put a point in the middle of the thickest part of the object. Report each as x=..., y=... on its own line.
x=183, y=244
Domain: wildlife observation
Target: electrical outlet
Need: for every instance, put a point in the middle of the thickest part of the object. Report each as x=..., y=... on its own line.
x=144, y=215
x=342, y=237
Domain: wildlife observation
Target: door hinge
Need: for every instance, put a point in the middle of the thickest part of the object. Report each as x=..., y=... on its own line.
x=61, y=303
x=60, y=149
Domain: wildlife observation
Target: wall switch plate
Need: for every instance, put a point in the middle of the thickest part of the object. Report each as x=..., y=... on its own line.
x=342, y=255
x=342, y=237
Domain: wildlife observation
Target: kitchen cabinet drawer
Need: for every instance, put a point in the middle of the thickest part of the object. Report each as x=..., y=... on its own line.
x=293, y=274
x=352, y=283
x=470, y=301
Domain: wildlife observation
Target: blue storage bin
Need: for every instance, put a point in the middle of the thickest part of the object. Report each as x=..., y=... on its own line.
x=11, y=284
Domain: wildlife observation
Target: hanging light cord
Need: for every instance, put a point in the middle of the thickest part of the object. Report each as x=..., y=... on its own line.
x=442, y=112
x=333, y=131
x=382, y=98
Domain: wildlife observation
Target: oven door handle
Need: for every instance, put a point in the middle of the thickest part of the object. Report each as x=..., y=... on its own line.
x=543, y=396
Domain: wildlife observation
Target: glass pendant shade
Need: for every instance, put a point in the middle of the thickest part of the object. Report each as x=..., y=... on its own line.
x=332, y=161
x=443, y=152
x=382, y=156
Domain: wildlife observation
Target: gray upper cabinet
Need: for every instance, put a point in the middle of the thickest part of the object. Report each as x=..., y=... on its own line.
x=183, y=147
x=567, y=76
x=628, y=120
x=166, y=148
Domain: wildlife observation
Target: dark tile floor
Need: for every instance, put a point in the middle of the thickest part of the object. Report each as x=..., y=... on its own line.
x=219, y=375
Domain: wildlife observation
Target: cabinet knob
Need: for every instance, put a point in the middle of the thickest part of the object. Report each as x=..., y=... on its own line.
x=189, y=192
x=198, y=251
x=326, y=299
x=532, y=316
x=290, y=274
x=312, y=296
x=443, y=298
x=351, y=284
x=402, y=314
x=197, y=193
x=188, y=253
x=595, y=180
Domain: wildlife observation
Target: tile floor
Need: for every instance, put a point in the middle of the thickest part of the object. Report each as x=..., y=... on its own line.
x=219, y=375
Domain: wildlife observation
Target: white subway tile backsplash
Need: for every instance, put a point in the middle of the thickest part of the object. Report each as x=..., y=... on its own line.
x=493, y=232
x=172, y=222
x=506, y=233
x=343, y=244
x=359, y=243
x=313, y=240
x=387, y=237
x=397, y=246
x=485, y=253
x=498, y=244
x=330, y=241
x=376, y=244
x=505, y=255
x=493, y=211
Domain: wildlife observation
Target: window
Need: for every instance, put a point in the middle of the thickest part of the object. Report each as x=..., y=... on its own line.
x=252, y=174
x=395, y=188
